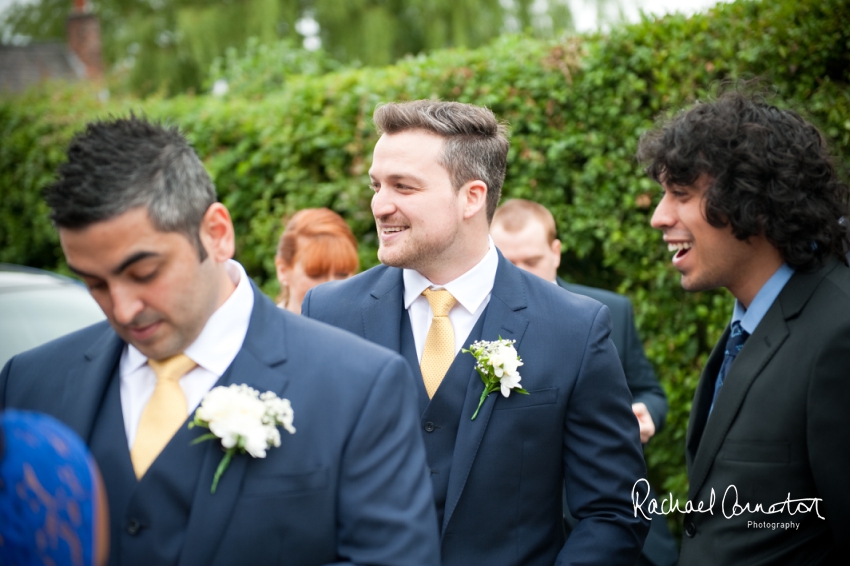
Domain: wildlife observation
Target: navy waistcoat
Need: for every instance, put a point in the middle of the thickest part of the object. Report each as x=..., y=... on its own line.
x=134, y=506
x=441, y=414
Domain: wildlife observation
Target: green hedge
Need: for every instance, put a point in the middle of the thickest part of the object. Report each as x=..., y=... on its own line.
x=576, y=109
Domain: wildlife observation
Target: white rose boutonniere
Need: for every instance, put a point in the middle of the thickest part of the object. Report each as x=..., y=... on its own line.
x=244, y=419
x=497, y=364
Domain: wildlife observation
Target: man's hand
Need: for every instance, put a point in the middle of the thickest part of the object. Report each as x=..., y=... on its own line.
x=647, y=427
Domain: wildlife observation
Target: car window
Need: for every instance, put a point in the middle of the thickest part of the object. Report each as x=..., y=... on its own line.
x=31, y=317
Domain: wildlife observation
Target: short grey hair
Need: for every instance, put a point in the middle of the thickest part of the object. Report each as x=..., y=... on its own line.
x=121, y=164
x=476, y=144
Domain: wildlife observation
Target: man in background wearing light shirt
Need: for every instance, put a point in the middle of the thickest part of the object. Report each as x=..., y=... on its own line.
x=752, y=203
x=437, y=174
x=139, y=223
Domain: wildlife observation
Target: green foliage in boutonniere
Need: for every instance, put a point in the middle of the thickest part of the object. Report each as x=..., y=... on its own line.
x=497, y=364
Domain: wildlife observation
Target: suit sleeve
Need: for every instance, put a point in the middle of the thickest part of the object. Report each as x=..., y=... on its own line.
x=640, y=376
x=386, y=509
x=4, y=379
x=602, y=459
x=305, y=304
x=828, y=430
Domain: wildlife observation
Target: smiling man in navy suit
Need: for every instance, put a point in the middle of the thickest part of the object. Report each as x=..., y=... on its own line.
x=437, y=174
x=139, y=222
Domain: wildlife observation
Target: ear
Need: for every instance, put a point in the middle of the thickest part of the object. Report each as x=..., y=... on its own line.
x=216, y=233
x=556, y=251
x=282, y=271
x=474, y=195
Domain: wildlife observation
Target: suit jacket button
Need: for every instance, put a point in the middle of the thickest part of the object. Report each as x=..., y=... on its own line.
x=429, y=427
x=133, y=526
x=690, y=530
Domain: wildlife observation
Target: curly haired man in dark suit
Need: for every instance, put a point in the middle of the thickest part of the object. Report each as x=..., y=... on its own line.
x=752, y=203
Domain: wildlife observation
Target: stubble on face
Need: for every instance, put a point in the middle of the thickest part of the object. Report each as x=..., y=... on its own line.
x=150, y=285
x=706, y=256
x=419, y=252
x=186, y=314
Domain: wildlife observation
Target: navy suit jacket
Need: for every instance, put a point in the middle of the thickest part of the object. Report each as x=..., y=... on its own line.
x=640, y=377
x=660, y=548
x=350, y=486
x=503, y=501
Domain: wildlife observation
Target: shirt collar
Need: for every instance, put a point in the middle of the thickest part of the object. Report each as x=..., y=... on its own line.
x=751, y=317
x=221, y=339
x=470, y=289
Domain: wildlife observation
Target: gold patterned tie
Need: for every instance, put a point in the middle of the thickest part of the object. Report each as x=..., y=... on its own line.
x=440, y=344
x=165, y=412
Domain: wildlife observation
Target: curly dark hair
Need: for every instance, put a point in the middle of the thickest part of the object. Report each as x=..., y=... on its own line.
x=771, y=172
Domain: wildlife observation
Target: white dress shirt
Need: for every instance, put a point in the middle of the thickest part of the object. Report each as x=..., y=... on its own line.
x=213, y=351
x=472, y=291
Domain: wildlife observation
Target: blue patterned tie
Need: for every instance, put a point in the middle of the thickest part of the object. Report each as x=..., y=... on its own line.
x=734, y=343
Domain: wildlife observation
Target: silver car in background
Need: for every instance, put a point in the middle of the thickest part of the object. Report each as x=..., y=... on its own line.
x=37, y=306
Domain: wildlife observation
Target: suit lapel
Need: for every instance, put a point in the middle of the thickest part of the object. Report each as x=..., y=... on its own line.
x=86, y=384
x=408, y=352
x=705, y=437
x=702, y=400
x=502, y=318
x=262, y=351
x=383, y=309
x=759, y=349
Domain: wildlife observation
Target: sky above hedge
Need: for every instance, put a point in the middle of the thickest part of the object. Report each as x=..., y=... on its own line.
x=585, y=16
x=584, y=11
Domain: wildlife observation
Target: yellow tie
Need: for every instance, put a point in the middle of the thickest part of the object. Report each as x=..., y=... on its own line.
x=440, y=344
x=165, y=412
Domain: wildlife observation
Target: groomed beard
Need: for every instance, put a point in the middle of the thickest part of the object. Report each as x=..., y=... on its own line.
x=417, y=254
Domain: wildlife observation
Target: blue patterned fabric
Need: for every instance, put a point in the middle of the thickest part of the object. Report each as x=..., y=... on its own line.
x=734, y=343
x=48, y=493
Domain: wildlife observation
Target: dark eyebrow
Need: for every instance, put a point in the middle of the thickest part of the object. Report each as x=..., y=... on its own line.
x=138, y=256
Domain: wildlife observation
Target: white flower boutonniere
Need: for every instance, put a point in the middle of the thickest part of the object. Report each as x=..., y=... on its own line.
x=497, y=365
x=244, y=420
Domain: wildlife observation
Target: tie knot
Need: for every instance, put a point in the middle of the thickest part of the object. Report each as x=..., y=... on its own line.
x=737, y=337
x=441, y=301
x=172, y=368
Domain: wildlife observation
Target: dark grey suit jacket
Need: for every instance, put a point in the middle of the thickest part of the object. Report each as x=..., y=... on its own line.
x=778, y=431
x=640, y=376
x=350, y=486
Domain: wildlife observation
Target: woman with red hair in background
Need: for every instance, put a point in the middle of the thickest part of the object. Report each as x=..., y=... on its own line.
x=316, y=246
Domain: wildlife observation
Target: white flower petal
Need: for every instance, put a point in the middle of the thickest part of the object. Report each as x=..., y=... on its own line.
x=243, y=418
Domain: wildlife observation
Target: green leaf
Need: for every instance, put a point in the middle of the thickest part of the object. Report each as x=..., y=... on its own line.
x=202, y=438
x=222, y=466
